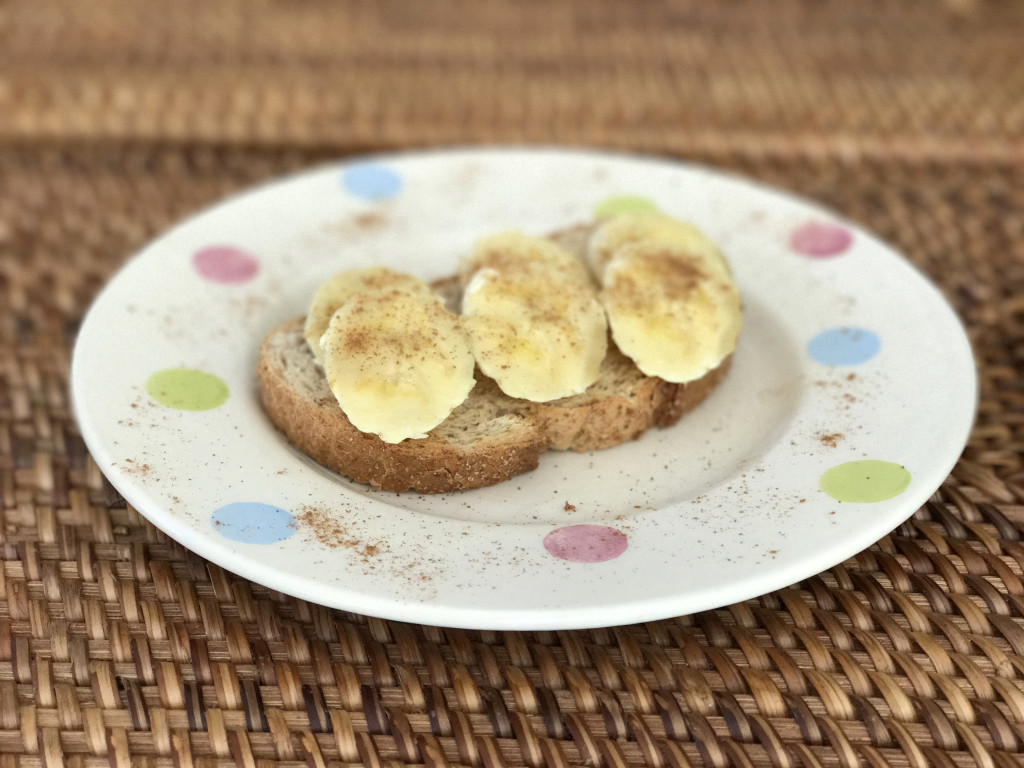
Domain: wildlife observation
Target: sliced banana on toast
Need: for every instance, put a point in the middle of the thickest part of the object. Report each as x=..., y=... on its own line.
x=626, y=228
x=532, y=316
x=397, y=360
x=334, y=292
x=669, y=295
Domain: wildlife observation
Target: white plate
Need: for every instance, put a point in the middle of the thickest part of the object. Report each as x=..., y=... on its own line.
x=847, y=355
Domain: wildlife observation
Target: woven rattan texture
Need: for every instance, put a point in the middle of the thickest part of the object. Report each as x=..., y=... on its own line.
x=117, y=647
x=916, y=78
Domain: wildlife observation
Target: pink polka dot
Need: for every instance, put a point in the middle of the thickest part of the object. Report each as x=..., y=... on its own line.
x=225, y=264
x=820, y=239
x=586, y=543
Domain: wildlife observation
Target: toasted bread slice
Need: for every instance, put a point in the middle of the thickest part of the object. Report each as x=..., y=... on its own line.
x=484, y=441
x=489, y=438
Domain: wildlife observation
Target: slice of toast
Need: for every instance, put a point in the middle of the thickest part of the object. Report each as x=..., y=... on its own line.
x=489, y=438
x=484, y=441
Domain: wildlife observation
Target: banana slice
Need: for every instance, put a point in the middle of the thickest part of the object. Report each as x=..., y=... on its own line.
x=335, y=291
x=674, y=311
x=647, y=227
x=511, y=252
x=397, y=361
x=532, y=316
x=538, y=337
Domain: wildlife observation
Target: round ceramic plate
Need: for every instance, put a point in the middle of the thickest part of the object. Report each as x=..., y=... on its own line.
x=851, y=397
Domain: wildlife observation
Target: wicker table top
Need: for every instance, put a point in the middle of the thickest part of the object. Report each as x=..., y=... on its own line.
x=118, y=647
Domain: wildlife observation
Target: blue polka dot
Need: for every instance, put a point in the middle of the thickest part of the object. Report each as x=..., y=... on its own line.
x=253, y=523
x=844, y=346
x=372, y=181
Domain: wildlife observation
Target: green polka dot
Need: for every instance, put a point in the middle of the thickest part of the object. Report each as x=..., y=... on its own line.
x=865, y=481
x=624, y=204
x=186, y=389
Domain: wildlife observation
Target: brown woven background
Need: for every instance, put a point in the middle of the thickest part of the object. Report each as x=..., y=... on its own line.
x=119, y=118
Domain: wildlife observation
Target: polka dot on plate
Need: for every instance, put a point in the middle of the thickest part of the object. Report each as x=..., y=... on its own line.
x=844, y=346
x=624, y=204
x=225, y=264
x=186, y=389
x=865, y=482
x=586, y=543
x=820, y=239
x=251, y=522
x=371, y=181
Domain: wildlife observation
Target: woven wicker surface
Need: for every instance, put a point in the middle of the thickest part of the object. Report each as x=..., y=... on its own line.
x=117, y=647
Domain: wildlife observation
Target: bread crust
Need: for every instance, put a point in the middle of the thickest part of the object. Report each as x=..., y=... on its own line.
x=614, y=418
x=488, y=439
